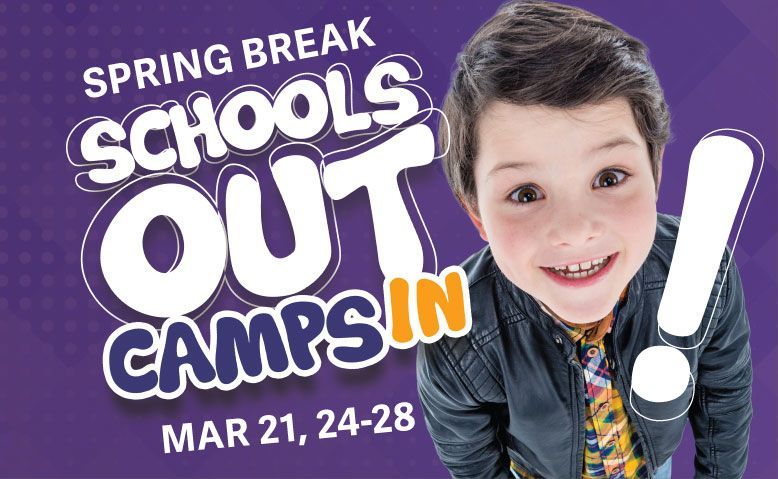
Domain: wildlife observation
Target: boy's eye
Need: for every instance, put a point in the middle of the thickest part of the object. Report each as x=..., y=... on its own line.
x=609, y=178
x=526, y=194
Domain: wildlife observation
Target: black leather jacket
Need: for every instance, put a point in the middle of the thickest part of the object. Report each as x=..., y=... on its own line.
x=513, y=388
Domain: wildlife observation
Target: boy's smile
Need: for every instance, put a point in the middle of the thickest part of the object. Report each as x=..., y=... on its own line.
x=580, y=274
x=566, y=200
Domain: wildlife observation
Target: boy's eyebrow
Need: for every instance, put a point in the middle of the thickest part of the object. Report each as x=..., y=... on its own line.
x=508, y=165
x=608, y=145
x=613, y=143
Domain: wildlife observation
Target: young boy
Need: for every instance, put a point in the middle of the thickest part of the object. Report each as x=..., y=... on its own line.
x=557, y=129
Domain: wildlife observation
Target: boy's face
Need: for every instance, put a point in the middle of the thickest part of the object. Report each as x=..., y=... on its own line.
x=568, y=189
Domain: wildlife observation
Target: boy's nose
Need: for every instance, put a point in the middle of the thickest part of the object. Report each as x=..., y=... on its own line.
x=574, y=227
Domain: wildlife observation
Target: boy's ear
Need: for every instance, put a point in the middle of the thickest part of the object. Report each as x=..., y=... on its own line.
x=476, y=219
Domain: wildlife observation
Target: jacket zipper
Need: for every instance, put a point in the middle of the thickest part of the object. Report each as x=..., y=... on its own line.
x=580, y=416
x=618, y=380
x=578, y=397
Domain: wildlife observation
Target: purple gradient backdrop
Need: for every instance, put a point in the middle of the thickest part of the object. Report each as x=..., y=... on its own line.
x=717, y=63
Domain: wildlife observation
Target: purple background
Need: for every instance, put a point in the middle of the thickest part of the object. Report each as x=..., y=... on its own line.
x=716, y=61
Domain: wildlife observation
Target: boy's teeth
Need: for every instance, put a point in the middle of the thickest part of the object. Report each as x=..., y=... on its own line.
x=581, y=270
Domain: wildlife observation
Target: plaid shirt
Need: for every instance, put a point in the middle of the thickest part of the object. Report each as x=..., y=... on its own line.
x=612, y=446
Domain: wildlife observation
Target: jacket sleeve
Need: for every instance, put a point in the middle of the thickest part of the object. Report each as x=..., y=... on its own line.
x=721, y=413
x=463, y=427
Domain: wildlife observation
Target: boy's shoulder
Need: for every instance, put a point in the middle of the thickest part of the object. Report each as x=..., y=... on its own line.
x=667, y=227
x=485, y=308
x=657, y=265
x=487, y=299
x=462, y=363
x=479, y=267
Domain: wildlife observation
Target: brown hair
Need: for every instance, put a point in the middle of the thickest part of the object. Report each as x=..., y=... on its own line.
x=541, y=53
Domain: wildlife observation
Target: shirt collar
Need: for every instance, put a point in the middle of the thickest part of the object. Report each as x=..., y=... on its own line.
x=593, y=331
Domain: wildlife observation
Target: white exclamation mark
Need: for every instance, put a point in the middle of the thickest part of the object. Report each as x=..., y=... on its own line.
x=719, y=171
